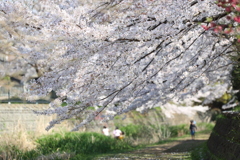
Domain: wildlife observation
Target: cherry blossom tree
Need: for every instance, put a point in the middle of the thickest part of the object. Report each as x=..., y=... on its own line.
x=117, y=55
x=226, y=23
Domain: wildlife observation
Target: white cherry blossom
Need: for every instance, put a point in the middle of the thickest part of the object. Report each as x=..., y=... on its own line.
x=117, y=54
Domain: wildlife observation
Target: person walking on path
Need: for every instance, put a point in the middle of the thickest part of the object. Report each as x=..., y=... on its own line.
x=117, y=133
x=193, y=129
x=105, y=131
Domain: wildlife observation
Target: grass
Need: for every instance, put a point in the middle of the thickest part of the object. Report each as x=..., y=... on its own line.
x=138, y=134
x=76, y=145
x=84, y=143
x=68, y=145
x=205, y=128
x=202, y=152
x=178, y=130
x=153, y=151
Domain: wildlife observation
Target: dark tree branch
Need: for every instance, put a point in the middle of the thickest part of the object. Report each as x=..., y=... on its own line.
x=214, y=18
x=122, y=40
x=155, y=26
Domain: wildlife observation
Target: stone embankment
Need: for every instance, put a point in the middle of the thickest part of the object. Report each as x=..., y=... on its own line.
x=224, y=141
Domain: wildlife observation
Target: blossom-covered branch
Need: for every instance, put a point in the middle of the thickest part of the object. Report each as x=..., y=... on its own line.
x=226, y=23
x=120, y=55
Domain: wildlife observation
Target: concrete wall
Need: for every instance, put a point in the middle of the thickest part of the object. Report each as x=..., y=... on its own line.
x=18, y=116
x=13, y=117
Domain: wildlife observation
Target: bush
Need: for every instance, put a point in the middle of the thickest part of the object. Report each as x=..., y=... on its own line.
x=134, y=131
x=205, y=127
x=79, y=143
x=178, y=130
x=139, y=132
x=73, y=145
x=145, y=134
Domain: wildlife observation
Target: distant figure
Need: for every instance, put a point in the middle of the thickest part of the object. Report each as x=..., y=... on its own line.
x=121, y=136
x=105, y=131
x=193, y=129
x=117, y=133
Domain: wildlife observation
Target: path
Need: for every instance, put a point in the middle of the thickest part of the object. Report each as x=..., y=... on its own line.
x=176, y=150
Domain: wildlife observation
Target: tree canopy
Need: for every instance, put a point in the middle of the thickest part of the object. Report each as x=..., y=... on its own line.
x=117, y=55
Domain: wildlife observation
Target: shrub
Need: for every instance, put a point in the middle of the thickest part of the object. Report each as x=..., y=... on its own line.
x=137, y=131
x=178, y=130
x=205, y=127
x=73, y=145
x=79, y=143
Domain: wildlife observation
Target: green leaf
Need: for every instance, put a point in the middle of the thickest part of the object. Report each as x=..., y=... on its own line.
x=209, y=19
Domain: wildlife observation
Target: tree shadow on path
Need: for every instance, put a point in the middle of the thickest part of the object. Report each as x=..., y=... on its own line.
x=174, y=150
x=184, y=146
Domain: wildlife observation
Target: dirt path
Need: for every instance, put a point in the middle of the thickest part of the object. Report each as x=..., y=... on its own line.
x=176, y=150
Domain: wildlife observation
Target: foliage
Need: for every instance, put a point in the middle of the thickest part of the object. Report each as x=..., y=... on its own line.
x=225, y=98
x=227, y=25
x=237, y=108
x=15, y=152
x=141, y=131
x=11, y=151
x=221, y=116
x=136, y=131
x=205, y=127
x=178, y=130
x=28, y=154
x=158, y=109
x=145, y=133
x=236, y=77
x=80, y=143
x=75, y=145
x=202, y=152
